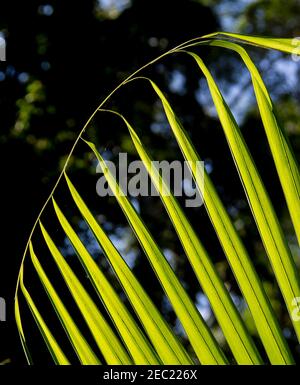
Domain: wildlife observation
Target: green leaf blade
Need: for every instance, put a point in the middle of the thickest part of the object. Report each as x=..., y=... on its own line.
x=163, y=339
x=80, y=345
x=229, y=319
x=138, y=346
x=110, y=346
x=199, y=335
x=237, y=256
x=56, y=352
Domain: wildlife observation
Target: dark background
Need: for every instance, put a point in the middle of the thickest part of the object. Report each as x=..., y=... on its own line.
x=63, y=58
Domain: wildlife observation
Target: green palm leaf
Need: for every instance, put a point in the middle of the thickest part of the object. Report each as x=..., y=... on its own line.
x=147, y=338
x=56, y=352
x=81, y=347
x=232, y=325
x=199, y=335
x=261, y=206
x=285, y=161
x=107, y=341
x=236, y=253
x=166, y=344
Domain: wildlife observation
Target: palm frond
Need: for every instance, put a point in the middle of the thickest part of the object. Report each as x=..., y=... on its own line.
x=234, y=249
x=139, y=334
